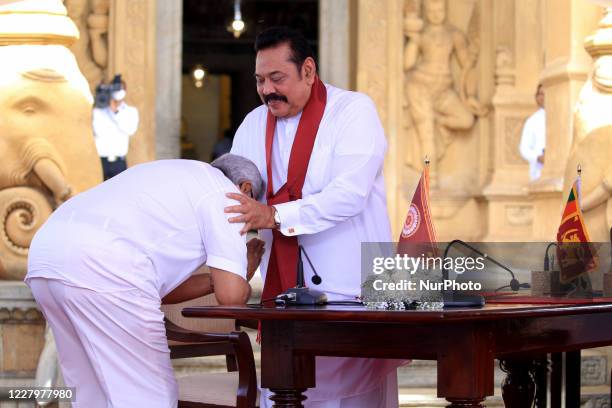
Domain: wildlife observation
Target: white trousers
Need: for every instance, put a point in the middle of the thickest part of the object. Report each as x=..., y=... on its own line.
x=112, y=346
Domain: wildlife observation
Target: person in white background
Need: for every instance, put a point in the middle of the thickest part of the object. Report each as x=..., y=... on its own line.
x=105, y=260
x=325, y=191
x=533, y=138
x=113, y=126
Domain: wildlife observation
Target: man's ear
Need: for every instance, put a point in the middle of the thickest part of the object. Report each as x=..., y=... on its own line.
x=309, y=70
x=246, y=188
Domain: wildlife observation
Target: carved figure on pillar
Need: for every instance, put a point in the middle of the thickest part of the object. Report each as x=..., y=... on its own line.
x=436, y=105
x=592, y=135
x=91, y=49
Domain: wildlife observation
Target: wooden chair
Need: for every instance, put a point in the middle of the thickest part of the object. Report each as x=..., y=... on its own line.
x=200, y=337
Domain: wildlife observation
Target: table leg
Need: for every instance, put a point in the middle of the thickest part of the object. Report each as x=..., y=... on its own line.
x=465, y=366
x=286, y=374
x=518, y=388
x=556, y=380
x=288, y=398
x=572, y=378
x=465, y=403
x=540, y=375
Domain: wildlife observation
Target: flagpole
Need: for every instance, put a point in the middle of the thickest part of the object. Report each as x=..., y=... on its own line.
x=579, y=185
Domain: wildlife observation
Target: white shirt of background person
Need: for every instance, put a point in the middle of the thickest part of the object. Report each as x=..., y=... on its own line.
x=113, y=129
x=533, y=138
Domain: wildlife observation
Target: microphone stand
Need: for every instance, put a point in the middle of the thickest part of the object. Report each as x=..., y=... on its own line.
x=465, y=299
x=515, y=285
x=300, y=295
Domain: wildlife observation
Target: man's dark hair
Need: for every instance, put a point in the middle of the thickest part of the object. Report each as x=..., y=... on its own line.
x=275, y=36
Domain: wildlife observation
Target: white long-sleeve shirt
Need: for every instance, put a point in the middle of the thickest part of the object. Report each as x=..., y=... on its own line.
x=533, y=142
x=112, y=131
x=343, y=204
x=343, y=199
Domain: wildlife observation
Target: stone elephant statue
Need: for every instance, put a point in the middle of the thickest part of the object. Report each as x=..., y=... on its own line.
x=47, y=148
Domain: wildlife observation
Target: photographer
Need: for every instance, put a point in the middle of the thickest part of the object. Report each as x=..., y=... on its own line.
x=114, y=122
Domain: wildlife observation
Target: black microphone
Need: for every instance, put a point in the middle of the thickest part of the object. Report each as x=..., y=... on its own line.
x=515, y=285
x=300, y=294
x=316, y=279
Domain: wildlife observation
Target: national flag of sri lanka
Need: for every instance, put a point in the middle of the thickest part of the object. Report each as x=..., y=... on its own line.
x=418, y=228
x=575, y=253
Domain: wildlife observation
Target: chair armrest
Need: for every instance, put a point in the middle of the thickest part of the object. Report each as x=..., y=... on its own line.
x=177, y=333
x=236, y=342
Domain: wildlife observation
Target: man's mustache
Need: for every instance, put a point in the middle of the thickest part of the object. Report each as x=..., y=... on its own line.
x=274, y=97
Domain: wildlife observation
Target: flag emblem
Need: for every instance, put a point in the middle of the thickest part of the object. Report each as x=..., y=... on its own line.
x=413, y=220
x=575, y=252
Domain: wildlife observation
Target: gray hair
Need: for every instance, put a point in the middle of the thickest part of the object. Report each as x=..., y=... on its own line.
x=239, y=169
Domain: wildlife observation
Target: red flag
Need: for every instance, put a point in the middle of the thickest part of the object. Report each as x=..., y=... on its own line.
x=418, y=228
x=575, y=253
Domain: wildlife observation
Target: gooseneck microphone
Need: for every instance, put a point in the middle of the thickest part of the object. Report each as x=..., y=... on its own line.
x=300, y=294
x=316, y=279
x=515, y=285
x=549, y=262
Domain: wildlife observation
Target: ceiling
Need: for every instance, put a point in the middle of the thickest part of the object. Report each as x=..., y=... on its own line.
x=205, y=34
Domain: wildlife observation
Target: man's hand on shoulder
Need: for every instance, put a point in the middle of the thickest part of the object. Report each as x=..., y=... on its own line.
x=255, y=215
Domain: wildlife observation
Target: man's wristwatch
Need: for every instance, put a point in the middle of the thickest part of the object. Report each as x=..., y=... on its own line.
x=277, y=220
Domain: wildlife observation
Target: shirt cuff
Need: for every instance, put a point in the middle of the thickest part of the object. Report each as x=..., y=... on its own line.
x=289, y=214
x=213, y=261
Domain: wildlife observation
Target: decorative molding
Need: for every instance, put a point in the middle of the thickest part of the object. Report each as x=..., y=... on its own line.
x=593, y=370
x=518, y=215
x=512, y=138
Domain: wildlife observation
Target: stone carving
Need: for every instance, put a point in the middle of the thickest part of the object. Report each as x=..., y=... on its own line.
x=512, y=129
x=91, y=49
x=438, y=105
x=593, y=370
x=519, y=215
x=46, y=142
x=592, y=135
x=504, y=70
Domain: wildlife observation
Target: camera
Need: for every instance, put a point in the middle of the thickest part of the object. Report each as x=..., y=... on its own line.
x=104, y=91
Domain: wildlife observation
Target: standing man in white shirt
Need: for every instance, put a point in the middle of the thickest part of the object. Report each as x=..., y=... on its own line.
x=113, y=126
x=320, y=151
x=533, y=138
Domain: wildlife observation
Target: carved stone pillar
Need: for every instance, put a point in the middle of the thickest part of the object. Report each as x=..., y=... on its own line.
x=132, y=41
x=379, y=75
x=168, y=83
x=566, y=24
x=518, y=63
x=334, y=42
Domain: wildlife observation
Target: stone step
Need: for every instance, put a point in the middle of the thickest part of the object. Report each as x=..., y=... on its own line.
x=591, y=397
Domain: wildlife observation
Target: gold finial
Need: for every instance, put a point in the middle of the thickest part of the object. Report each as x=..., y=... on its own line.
x=36, y=22
x=579, y=169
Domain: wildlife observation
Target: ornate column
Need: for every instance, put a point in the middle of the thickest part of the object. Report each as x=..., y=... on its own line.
x=334, y=42
x=566, y=24
x=518, y=43
x=379, y=75
x=168, y=79
x=132, y=44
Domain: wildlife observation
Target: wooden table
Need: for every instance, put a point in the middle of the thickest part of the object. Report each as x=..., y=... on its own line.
x=464, y=342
